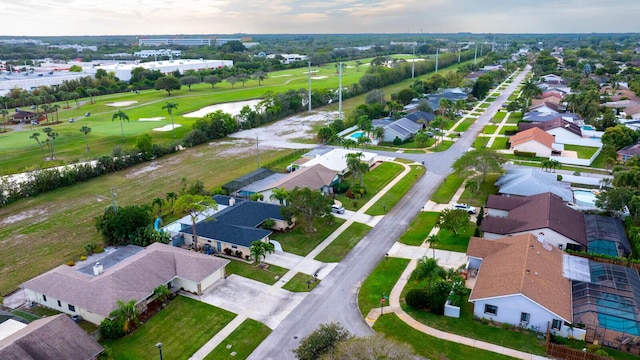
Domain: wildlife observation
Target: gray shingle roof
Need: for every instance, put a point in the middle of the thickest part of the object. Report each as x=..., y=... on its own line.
x=529, y=181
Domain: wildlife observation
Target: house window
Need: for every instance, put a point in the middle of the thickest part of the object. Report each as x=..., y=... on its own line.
x=524, y=318
x=556, y=324
x=234, y=247
x=72, y=308
x=560, y=246
x=491, y=309
x=59, y=303
x=44, y=298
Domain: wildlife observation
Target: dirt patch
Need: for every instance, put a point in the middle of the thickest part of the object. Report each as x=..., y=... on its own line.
x=147, y=169
x=23, y=216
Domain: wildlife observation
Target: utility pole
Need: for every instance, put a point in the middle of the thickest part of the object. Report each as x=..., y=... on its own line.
x=113, y=199
x=458, y=53
x=258, y=150
x=437, y=53
x=475, y=56
x=309, y=79
x=340, y=91
x=413, y=63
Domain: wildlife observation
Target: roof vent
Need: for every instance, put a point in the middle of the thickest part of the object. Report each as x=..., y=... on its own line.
x=98, y=269
x=528, y=271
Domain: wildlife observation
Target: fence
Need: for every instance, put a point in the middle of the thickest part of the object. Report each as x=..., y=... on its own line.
x=567, y=353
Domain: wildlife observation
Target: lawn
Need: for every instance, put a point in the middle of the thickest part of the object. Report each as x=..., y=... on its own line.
x=484, y=105
x=486, y=188
x=428, y=346
x=447, y=189
x=500, y=115
x=374, y=181
x=513, y=119
x=507, y=128
x=584, y=152
x=340, y=247
x=182, y=327
x=442, y=146
x=419, y=228
x=300, y=242
x=500, y=143
x=515, y=115
x=243, y=340
x=301, y=282
x=463, y=126
x=25, y=315
x=381, y=280
x=269, y=276
x=480, y=142
x=455, y=242
x=489, y=129
x=391, y=198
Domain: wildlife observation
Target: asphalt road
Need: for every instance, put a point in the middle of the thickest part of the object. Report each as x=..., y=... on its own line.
x=335, y=299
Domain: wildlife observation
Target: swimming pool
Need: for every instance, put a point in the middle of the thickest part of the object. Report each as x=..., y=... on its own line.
x=585, y=198
x=587, y=127
x=357, y=135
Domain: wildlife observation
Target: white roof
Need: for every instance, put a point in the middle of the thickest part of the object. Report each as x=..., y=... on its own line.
x=10, y=327
x=336, y=159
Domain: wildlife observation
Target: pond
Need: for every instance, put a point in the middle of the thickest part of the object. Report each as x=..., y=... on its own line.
x=232, y=108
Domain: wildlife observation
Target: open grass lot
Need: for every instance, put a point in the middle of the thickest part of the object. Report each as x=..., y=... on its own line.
x=428, y=346
x=300, y=242
x=584, y=152
x=484, y=105
x=507, y=128
x=374, y=181
x=489, y=129
x=391, y=198
x=183, y=327
x=301, y=282
x=463, y=126
x=442, y=146
x=466, y=326
x=455, y=242
x=243, y=341
x=419, y=228
x=346, y=241
x=381, y=280
x=270, y=275
x=40, y=233
x=500, y=143
x=447, y=189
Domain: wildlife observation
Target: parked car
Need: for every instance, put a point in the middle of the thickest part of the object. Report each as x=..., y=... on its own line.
x=465, y=207
x=337, y=209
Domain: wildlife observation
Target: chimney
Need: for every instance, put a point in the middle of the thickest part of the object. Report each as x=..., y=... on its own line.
x=232, y=201
x=97, y=269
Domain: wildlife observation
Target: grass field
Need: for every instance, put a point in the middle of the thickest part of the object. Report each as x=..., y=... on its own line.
x=489, y=129
x=300, y=242
x=419, y=228
x=340, y=247
x=455, y=242
x=243, y=341
x=447, y=189
x=374, y=181
x=391, y=198
x=301, y=282
x=584, y=152
x=428, y=346
x=381, y=280
x=508, y=128
x=270, y=275
x=480, y=142
x=500, y=143
x=182, y=327
x=463, y=126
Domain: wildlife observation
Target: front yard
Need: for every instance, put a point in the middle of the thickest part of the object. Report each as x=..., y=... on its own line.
x=265, y=275
x=300, y=242
x=242, y=341
x=346, y=241
x=419, y=228
x=374, y=181
x=455, y=242
x=391, y=198
x=381, y=280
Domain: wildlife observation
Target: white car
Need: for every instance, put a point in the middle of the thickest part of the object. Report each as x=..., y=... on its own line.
x=337, y=209
x=465, y=207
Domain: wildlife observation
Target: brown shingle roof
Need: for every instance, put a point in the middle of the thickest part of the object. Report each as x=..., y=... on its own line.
x=55, y=337
x=132, y=279
x=533, y=134
x=313, y=177
x=523, y=266
x=630, y=150
x=535, y=212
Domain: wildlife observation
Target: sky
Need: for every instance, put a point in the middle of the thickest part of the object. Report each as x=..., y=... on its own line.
x=156, y=17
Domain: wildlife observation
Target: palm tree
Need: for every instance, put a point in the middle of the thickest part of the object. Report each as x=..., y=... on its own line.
x=4, y=113
x=34, y=136
x=127, y=314
x=260, y=249
x=530, y=90
x=357, y=167
x=433, y=241
x=170, y=105
x=279, y=194
x=91, y=92
x=162, y=293
x=554, y=164
x=171, y=197
x=378, y=133
x=46, y=108
x=55, y=108
x=194, y=205
x=428, y=269
x=439, y=123
x=122, y=116
x=159, y=203
x=86, y=130
x=471, y=186
x=51, y=139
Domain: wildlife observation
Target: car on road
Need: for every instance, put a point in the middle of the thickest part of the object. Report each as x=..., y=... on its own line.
x=465, y=207
x=338, y=209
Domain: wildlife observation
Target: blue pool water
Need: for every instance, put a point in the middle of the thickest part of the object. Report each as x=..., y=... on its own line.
x=356, y=135
x=587, y=127
x=584, y=198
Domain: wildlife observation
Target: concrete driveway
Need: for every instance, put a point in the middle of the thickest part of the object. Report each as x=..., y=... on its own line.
x=303, y=265
x=260, y=302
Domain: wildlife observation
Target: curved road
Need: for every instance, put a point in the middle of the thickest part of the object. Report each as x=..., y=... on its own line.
x=335, y=299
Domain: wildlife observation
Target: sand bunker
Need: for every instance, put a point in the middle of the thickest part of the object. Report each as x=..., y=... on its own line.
x=277, y=76
x=121, y=103
x=166, y=128
x=232, y=108
x=318, y=77
x=160, y=118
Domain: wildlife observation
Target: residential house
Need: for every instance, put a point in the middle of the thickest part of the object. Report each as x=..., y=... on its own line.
x=421, y=118
x=553, y=79
x=403, y=129
x=520, y=282
x=533, y=140
x=527, y=181
x=336, y=159
x=128, y=273
x=236, y=225
x=544, y=215
x=235, y=186
x=317, y=177
x=53, y=337
x=544, y=106
x=557, y=127
x=628, y=152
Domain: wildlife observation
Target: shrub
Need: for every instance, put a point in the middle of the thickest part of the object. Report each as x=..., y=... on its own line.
x=350, y=194
x=418, y=298
x=397, y=141
x=524, y=153
x=70, y=263
x=342, y=187
x=90, y=248
x=83, y=258
x=111, y=329
x=559, y=177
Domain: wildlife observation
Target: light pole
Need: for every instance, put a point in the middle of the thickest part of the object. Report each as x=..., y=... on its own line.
x=159, y=346
x=309, y=81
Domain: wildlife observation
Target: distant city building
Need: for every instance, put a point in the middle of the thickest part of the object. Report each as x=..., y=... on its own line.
x=123, y=71
x=159, y=52
x=181, y=42
x=404, y=43
x=22, y=41
x=117, y=55
x=76, y=47
x=288, y=58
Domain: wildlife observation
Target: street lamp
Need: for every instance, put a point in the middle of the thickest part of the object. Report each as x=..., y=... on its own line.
x=159, y=346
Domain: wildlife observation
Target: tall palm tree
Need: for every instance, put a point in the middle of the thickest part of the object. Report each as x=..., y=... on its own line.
x=55, y=108
x=171, y=197
x=170, y=105
x=378, y=133
x=194, y=205
x=122, y=116
x=279, y=194
x=471, y=186
x=51, y=139
x=35, y=136
x=433, y=241
x=4, y=113
x=127, y=314
x=46, y=108
x=530, y=90
x=357, y=167
x=86, y=130
x=260, y=249
x=159, y=203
